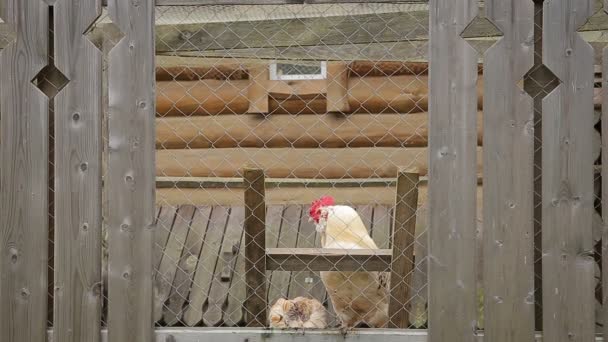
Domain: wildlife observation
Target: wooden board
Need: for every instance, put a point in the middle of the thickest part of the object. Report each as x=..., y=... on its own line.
x=452, y=179
x=24, y=178
x=186, y=265
x=508, y=234
x=163, y=230
x=206, y=267
x=567, y=176
x=273, y=231
x=130, y=178
x=170, y=261
x=304, y=282
x=404, y=235
x=388, y=94
x=224, y=270
x=299, y=163
x=255, y=246
x=77, y=200
x=301, y=131
x=604, y=194
x=234, y=314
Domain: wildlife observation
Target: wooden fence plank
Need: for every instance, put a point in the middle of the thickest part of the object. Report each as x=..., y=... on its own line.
x=306, y=282
x=403, y=239
x=255, y=247
x=190, y=257
x=273, y=230
x=130, y=178
x=567, y=176
x=24, y=178
x=235, y=314
x=206, y=266
x=225, y=268
x=452, y=180
x=604, y=196
x=508, y=245
x=171, y=256
x=288, y=237
x=78, y=170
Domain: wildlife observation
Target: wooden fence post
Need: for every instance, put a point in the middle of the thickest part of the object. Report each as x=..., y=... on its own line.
x=78, y=169
x=255, y=247
x=452, y=173
x=404, y=237
x=567, y=176
x=508, y=213
x=605, y=186
x=131, y=175
x=24, y=177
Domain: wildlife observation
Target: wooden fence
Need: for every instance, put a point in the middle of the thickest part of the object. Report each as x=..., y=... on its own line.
x=516, y=147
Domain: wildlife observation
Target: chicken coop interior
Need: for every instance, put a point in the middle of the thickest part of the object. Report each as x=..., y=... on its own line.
x=310, y=172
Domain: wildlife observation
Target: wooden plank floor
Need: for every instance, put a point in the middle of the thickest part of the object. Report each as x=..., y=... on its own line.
x=203, y=244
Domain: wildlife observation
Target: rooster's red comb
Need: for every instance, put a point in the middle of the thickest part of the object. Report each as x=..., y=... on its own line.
x=324, y=201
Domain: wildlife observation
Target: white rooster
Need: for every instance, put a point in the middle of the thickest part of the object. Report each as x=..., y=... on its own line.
x=357, y=297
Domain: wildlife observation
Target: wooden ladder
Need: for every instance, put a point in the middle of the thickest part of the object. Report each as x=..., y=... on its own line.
x=399, y=260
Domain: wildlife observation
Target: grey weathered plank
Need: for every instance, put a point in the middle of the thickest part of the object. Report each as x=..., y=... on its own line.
x=452, y=180
x=404, y=235
x=190, y=257
x=206, y=266
x=508, y=245
x=366, y=212
x=288, y=238
x=225, y=268
x=255, y=247
x=130, y=178
x=164, y=225
x=604, y=177
x=77, y=175
x=356, y=29
x=382, y=226
x=303, y=280
x=274, y=218
x=173, y=250
x=234, y=313
x=567, y=176
x=24, y=178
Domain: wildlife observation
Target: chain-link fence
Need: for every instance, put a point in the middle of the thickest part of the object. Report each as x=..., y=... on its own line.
x=328, y=100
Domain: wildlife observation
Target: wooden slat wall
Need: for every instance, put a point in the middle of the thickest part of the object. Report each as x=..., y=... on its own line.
x=508, y=248
x=604, y=120
x=24, y=177
x=567, y=176
x=130, y=178
x=78, y=170
x=452, y=176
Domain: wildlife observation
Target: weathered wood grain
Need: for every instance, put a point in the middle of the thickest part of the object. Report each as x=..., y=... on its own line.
x=288, y=237
x=452, y=179
x=225, y=268
x=255, y=247
x=305, y=282
x=234, y=313
x=301, y=131
x=380, y=162
x=186, y=266
x=508, y=245
x=274, y=217
x=567, y=176
x=24, y=178
x=206, y=267
x=130, y=178
x=402, y=262
x=324, y=259
x=77, y=175
x=170, y=261
x=164, y=226
x=604, y=196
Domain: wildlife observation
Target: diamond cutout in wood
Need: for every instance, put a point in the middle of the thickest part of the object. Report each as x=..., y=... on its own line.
x=50, y=80
x=540, y=81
